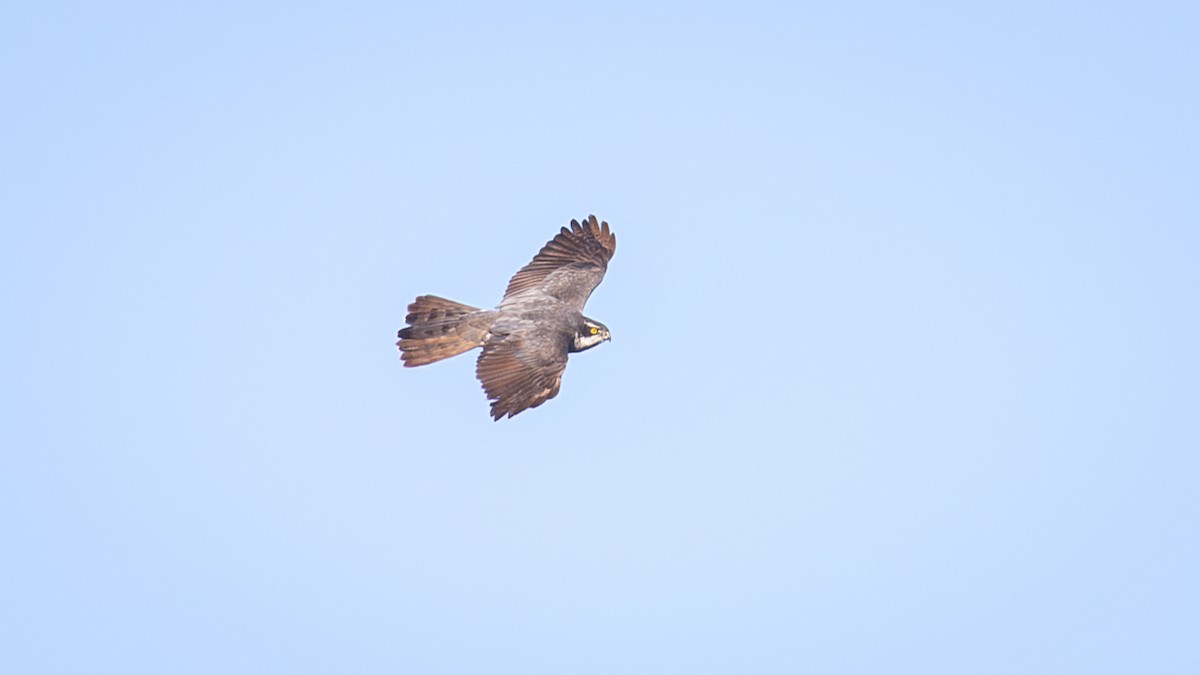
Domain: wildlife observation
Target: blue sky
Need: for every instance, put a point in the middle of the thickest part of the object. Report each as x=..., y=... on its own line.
x=904, y=376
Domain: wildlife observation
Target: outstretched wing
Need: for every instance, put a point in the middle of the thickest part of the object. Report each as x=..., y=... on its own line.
x=521, y=372
x=569, y=266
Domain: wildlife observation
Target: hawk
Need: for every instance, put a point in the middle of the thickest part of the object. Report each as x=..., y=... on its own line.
x=527, y=337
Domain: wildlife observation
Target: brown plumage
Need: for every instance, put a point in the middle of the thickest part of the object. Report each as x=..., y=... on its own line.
x=526, y=339
x=586, y=247
x=440, y=328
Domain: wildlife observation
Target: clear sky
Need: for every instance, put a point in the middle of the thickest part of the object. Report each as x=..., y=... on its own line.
x=904, y=376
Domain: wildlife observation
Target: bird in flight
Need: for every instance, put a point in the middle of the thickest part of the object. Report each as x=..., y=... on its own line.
x=527, y=337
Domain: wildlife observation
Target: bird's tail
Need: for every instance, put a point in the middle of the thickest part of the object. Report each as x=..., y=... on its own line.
x=439, y=328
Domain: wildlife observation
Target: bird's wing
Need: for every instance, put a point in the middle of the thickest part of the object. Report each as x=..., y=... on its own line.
x=569, y=266
x=521, y=372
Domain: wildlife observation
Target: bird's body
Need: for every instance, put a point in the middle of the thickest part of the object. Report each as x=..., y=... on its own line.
x=527, y=337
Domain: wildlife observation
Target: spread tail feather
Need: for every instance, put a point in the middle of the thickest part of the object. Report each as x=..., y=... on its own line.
x=439, y=328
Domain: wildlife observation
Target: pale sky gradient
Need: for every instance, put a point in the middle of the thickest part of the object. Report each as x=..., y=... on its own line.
x=904, y=376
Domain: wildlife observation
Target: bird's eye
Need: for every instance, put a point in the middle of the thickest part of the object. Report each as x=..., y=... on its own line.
x=593, y=330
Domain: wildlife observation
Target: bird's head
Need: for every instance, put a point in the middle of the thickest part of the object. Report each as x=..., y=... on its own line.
x=588, y=334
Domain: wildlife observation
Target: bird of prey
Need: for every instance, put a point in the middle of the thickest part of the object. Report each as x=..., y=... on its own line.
x=527, y=337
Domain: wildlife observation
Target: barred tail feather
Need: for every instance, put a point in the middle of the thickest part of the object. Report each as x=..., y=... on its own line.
x=439, y=328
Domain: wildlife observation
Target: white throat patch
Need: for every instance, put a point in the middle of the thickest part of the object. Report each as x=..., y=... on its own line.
x=585, y=341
